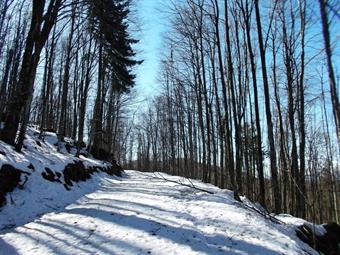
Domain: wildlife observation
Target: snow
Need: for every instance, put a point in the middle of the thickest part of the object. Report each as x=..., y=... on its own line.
x=143, y=213
x=140, y=213
x=40, y=196
x=319, y=230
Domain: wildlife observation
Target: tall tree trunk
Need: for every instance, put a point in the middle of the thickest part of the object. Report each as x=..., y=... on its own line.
x=83, y=90
x=301, y=182
x=228, y=159
x=96, y=144
x=66, y=77
x=331, y=76
x=4, y=82
x=272, y=152
x=41, y=25
x=230, y=68
x=283, y=161
x=228, y=133
x=259, y=156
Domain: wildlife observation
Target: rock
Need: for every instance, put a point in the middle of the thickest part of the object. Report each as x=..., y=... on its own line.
x=76, y=172
x=115, y=169
x=68, y=147
x=50, y=175
x=30, y=166
x=327, y=243
x=9, y=180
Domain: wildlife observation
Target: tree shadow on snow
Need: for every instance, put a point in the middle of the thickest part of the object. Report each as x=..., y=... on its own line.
x=67, y=239
x=6, y=248
x=195, y=239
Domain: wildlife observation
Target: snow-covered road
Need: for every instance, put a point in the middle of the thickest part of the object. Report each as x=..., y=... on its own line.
x=144, y=214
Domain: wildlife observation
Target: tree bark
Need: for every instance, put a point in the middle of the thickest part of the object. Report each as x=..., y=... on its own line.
x=272, y=152
x=331, y=76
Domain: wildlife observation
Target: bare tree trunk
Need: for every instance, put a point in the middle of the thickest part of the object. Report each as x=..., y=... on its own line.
x=301, y=182
x=66, y=77
x=283, y=161
x=83, y=90
x=4, y=82
x=272, y=152
x=331, y=76
x=227, y=160
x=238, y=169
x=259, y=160
x=41, y=25
x=96, y=144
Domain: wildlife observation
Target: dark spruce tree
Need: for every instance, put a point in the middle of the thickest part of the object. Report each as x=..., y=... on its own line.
x=108, y=23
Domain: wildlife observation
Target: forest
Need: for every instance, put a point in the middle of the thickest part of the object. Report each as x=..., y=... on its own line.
x=247, y=92
x=249, y=102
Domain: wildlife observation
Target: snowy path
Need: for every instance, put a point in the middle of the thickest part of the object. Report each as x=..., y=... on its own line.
x=140, y=214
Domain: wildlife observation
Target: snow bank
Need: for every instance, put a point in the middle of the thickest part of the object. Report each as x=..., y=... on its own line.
x=35, y=195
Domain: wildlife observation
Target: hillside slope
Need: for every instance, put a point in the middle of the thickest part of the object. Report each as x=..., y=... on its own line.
x=44, y=178
x=152, y=213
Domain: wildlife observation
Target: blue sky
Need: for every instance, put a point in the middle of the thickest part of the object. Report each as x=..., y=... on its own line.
x=153, y=21
x=153, y=26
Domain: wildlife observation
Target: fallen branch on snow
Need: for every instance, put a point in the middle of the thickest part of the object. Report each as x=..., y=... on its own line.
x=191, y=185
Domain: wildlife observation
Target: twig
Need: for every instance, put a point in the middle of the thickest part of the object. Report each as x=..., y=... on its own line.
x=265, y=214
x=184, y=184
